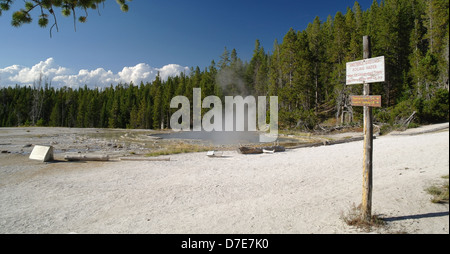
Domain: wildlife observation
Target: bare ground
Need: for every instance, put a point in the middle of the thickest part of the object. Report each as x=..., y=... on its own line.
x=298, y=191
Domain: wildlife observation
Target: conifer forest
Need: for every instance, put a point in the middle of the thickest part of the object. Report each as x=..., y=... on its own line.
x=306, y=70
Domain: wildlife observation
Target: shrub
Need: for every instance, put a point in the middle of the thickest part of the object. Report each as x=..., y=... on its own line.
x=298, y=119
x=401, y=112
x=439, y=192
x=437, y=109
x=40, y=123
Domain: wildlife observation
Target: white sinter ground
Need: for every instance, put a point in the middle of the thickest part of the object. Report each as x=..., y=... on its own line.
x=303, y=190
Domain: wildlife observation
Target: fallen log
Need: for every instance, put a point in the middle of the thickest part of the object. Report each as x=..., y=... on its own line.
x=347, y=140
x=143, y=159
x=259, y=150
x=409, y=119
x=86, y=157
x=268, y=151
x=328, y=143
x=307, y=145
x=275, y=149
x=250, y=150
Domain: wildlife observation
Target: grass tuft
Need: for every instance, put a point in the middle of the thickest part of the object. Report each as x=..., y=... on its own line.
x=353, y=217
x=439, y=192
x=180, y=148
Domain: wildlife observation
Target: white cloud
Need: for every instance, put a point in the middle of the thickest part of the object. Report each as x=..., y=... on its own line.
x=171, y=70
x=61, y=76
x=17, y=74
x=137, y=73
x=95, y=78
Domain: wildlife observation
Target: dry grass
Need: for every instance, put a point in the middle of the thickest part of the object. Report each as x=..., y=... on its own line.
x=439, y=192
x=181, y=147
x=353, y=217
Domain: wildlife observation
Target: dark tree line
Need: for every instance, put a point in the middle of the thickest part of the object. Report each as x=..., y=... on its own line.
x=306, y=71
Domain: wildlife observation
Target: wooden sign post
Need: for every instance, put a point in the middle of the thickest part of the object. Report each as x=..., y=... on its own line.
x=366, y=71
x=366, y=207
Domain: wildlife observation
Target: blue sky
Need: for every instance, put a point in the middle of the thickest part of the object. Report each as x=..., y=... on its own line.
x=167, y=36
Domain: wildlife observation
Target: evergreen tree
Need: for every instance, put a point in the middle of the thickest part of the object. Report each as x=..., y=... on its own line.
x=275, y=70
x=157, y=95
x=257, y=71
x=224, y=59
x=316, y=47
x=114, y=114
x=306, y=71
x=436, y=18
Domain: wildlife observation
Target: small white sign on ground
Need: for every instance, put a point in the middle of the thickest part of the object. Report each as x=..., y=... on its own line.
x=42, y=153
x=365, y=71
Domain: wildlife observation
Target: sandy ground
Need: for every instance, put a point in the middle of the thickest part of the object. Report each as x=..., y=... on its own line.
x=302, y=190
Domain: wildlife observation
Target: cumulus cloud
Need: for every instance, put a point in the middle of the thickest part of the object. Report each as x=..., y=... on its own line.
x=60, y=76
x=139, y=72
x=17, y=74
x=171, y=70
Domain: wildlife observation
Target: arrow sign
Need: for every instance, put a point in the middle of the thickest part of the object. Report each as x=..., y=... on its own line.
x=369, y=70
x=370, y=101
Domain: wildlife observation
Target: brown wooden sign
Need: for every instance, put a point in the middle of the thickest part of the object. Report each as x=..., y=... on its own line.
x=371, y=101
